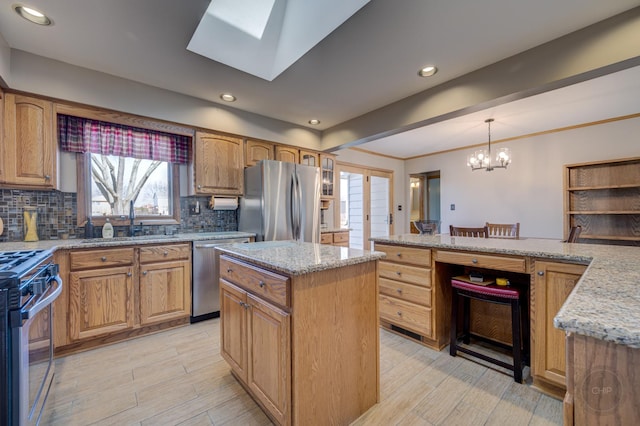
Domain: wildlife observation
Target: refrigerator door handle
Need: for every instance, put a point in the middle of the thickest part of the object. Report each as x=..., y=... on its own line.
x=295, y=205
x=300, y=207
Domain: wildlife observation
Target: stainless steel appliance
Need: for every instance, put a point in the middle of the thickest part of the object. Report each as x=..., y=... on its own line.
x=281, y=202
x=29, y=283
x=205, y=289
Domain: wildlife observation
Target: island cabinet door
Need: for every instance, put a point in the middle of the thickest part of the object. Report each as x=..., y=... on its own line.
x=269, y=331
x=553, y=283
x=233, y=327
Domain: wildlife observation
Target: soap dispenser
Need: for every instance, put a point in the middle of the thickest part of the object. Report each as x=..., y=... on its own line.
x=107, y=229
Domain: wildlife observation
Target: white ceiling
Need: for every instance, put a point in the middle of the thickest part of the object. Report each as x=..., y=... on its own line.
x=368, y=62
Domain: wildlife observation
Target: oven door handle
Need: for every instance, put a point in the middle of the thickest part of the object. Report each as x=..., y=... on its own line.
x=44, y=301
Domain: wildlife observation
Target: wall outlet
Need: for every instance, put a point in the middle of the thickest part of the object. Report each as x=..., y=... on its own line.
x=453, y=206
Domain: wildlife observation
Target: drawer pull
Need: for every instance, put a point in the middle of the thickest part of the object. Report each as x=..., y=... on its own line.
x=399, y=313
x=129, y=274
x=229, y=270
x=399, y=254
x=261, y=284
x=144, y=272
x=166, y=253
x=474, y=260
x=399, y=290
x=398, y=272
x=541, y=273
x=103, y=258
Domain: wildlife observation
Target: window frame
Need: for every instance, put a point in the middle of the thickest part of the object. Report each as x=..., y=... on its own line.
x=83, y=162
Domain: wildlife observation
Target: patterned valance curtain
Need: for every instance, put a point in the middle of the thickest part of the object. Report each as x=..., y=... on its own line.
x=100, y=137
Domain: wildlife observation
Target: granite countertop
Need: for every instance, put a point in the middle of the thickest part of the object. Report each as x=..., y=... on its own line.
x=121, y=241
x=605, y=303
x=297, y=258
x=326, y=230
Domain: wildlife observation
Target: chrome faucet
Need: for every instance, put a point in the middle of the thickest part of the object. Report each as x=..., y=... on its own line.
x=132, y=216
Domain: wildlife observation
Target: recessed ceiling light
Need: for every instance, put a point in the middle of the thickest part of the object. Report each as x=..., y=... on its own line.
x=32, y=15
x=428, y=71
x=227, y=97
x=314, y=121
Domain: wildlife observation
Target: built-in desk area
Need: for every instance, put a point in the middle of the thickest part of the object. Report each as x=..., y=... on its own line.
x=588, y=292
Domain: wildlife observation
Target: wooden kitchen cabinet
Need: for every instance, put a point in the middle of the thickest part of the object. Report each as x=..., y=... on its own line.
x=309, y=158
x=218, y=165
x=28, y=143
x=339, y=238
x=328, y=169
x=165, y=283
x=256, y=151
x=288, y=154
x=552, y=284
x=256, y=342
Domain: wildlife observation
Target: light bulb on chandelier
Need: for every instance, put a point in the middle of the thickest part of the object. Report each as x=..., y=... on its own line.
x=481, y=159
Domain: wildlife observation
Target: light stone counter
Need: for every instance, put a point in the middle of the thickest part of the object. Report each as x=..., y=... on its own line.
x=605, y=303
x=297, y=258
x=121, y=241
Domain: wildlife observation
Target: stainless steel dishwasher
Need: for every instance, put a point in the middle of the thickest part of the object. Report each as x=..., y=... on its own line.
x=205, y=287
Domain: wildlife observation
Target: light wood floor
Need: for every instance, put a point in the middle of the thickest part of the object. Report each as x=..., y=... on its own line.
x=178, y=377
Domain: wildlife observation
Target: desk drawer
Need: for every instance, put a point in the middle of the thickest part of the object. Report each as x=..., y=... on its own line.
x=410, y=274
x=408, y=292
x=501, y=263
x=402, y=254
x=263, y=283
x=165, y=252
x=100, y=258
x=406, y=315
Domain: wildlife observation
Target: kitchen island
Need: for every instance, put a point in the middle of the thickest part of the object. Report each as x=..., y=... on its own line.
x=299, y=327
x=599, y=309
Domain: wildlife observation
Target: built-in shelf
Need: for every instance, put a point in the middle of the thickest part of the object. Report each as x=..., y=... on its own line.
x=604, y=199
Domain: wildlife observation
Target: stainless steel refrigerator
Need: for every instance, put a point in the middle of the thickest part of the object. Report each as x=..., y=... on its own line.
x=281, y=202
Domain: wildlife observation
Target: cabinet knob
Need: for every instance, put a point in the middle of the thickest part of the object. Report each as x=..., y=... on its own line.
x=229, y=270
x=474, y=260
x=398, y=272
x=166, y=253
x=398, y=254
x=199, y=186
x=541, y=273
x=399, y=290
x=103, y=258
x=129, y=274
x=47, y=177
x=144, y=272
x=399, y=313
x=261, y=284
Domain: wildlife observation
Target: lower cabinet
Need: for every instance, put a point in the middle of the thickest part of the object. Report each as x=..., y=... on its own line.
x=115, y=292
x=340, y=238
x=261, y=356
x=552, y=284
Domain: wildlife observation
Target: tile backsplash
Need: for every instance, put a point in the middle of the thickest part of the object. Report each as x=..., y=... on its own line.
x=57, y=216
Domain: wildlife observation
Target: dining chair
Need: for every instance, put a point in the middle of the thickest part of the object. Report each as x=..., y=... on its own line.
x=503, y=230
x=460, y=231
x=574, y=234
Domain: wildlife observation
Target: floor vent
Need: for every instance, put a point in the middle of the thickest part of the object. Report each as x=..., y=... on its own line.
x=406, y=332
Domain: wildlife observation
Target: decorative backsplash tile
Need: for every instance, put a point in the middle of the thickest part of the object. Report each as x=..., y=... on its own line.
x=57, y=216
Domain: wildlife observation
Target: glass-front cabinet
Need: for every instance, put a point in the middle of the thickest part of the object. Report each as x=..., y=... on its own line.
x=328, y=167
x=309, y=158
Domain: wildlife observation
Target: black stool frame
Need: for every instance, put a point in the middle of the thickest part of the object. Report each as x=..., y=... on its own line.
x=519, y=321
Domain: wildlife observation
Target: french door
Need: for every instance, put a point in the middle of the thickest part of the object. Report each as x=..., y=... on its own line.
x=365, y=204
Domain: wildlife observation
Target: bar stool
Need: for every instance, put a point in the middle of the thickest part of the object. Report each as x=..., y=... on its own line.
x=493, y=294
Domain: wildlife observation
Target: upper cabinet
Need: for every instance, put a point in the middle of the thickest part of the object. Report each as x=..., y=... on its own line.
x=289, y=154
x=28, y=146
x=602, y=198
x=328, y=168
x=218, y=165
x=256, y=151
x=309, y=158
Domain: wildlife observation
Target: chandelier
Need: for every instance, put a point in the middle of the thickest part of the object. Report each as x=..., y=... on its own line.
x=481, y=159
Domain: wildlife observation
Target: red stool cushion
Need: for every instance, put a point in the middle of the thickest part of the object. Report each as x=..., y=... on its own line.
x=489, y=290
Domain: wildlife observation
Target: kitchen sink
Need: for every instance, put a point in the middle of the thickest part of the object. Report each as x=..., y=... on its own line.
x=136, y=238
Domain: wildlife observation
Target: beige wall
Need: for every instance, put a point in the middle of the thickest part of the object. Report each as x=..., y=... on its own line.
x=5, y=62
x=530, y=191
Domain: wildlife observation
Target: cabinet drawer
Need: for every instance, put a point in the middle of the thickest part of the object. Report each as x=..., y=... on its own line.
x=502, y=263
x=100, y=258
x=410, y=274
x=404, y=291
x=406, y=315
x=326, y=238
x=266, y=284
x=341, y=237
x=411, y=255
x=166, y=252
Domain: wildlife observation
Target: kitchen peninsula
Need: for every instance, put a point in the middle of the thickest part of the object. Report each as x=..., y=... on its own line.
x=601, y=314
x=299, y=327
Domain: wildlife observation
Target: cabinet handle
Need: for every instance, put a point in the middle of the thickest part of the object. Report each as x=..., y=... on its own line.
x=398, y=254
x=103, y=258
x=144, y=272
x=199, y=186
x=399, y=313
x=474, y=260
x=541, y=273
x=398, y=272
x=229, y=270
x=47, y=177
x=399, y=290
x=129, y=274
x=166, y=253
x=261, y=284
